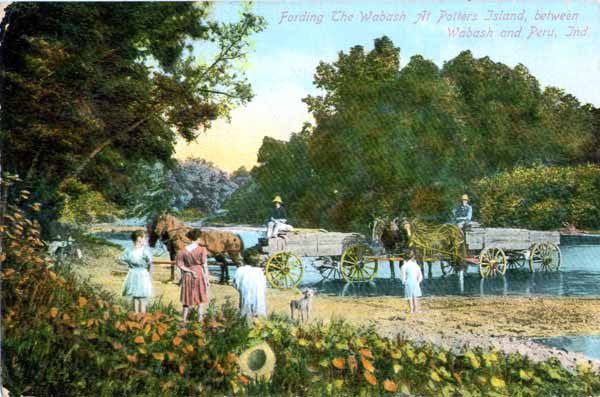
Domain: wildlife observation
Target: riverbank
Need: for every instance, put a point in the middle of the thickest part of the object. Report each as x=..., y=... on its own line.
x=507, y=323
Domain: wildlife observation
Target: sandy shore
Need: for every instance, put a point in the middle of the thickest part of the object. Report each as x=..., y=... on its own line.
x=504, y=322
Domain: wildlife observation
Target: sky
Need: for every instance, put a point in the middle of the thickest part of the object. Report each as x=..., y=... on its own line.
x=286, y=53
x=302, y=33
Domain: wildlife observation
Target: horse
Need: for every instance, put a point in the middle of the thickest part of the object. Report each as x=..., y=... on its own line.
x=393, y=238
x=444, y=243
x=173, y=234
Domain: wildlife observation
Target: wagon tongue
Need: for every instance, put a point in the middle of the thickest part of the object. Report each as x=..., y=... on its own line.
x=472, y=260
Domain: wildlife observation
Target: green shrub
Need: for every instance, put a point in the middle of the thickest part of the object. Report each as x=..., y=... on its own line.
x=190, y=214
x=82, y=204
x=541, y=197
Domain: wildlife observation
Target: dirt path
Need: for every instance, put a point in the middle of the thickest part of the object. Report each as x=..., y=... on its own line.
x=504, y=322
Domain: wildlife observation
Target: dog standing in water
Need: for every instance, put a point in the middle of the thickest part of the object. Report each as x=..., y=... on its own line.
x=304, y=305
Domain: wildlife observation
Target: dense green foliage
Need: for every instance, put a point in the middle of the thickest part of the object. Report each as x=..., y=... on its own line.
x=541, y=197
x=92, y=91
x=409, y=141
x=64, y=337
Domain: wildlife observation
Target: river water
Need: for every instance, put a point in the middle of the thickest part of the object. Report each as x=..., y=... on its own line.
x=579, y=275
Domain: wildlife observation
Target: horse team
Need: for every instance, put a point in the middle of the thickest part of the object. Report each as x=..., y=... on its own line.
x=172, y=233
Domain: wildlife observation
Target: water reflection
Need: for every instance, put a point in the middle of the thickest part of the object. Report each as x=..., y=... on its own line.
x=470, y=284
x=588, y=345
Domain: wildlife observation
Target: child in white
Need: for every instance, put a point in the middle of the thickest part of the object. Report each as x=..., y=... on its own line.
x=251, y=283
x=411, y=278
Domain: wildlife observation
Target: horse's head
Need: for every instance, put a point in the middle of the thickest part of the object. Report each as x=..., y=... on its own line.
x=394, y=225
x=159, y=229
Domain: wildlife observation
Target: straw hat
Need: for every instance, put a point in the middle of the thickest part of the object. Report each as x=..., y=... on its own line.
x=277, y=199
x=258, y=362
x=465, y=197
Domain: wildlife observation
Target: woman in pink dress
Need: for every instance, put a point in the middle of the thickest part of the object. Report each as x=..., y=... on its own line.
x=192, y=260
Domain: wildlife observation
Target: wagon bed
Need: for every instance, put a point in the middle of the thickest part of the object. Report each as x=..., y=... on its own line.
x=312, y=243
x=508, y=239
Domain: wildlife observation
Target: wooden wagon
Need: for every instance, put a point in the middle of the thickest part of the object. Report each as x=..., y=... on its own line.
x=499, y=249
x=333, y=254
x=492, y=250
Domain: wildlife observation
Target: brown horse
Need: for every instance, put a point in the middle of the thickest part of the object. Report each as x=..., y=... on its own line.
x=172, y=232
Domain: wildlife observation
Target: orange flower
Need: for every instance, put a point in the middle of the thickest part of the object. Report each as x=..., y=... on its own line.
x=105, y=316
x=352, y=364
x=371, y=379
x=214, y=324
x=181, y=369
x=53, y=312
x=82, y=301
x=158, y=356
x=139, y=340
x=132, y=358
x=147, y=329
x=366, y=353
x=189, y=348
x=133, y=316
x=338, y=363
x=390, y=386
x=231, y=358
x=367, y=365
x=176, y=341
x=155, y=337
x=66, y=317
x=171, y=356
x=244, y=380
x=162, y=328
x=182, y=332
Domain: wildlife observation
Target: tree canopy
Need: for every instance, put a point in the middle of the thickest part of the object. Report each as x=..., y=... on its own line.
x=92, y=90
x=410, y=140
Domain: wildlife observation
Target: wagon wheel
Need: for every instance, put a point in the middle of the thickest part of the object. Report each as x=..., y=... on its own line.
x=284, y=270
x=355, y=266
x=328, y=269
x=545, y=256
x=491, y=262
x=517, y=261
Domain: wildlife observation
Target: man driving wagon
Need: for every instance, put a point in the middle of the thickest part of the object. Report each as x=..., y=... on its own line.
x=277, y=219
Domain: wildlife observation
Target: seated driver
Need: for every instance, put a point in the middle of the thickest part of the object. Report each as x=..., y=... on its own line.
x=278, y=219
x=463, y=213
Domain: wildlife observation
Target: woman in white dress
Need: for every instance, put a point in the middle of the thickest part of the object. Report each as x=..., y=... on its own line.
x=411, y=279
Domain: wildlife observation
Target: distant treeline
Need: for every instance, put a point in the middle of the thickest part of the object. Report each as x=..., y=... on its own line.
x=408, y=141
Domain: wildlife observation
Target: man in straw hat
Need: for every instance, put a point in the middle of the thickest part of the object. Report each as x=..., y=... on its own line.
x=277, y=219
x=463, y=212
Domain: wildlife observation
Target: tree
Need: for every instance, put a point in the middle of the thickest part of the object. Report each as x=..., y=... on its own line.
x=409, y=141
x=206, y=186
x=91, y=88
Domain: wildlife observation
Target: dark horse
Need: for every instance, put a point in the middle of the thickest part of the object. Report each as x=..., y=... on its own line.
x=172, y=232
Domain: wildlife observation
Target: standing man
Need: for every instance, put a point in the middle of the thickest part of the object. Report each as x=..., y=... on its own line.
x=277, y=220
x=463, y=212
